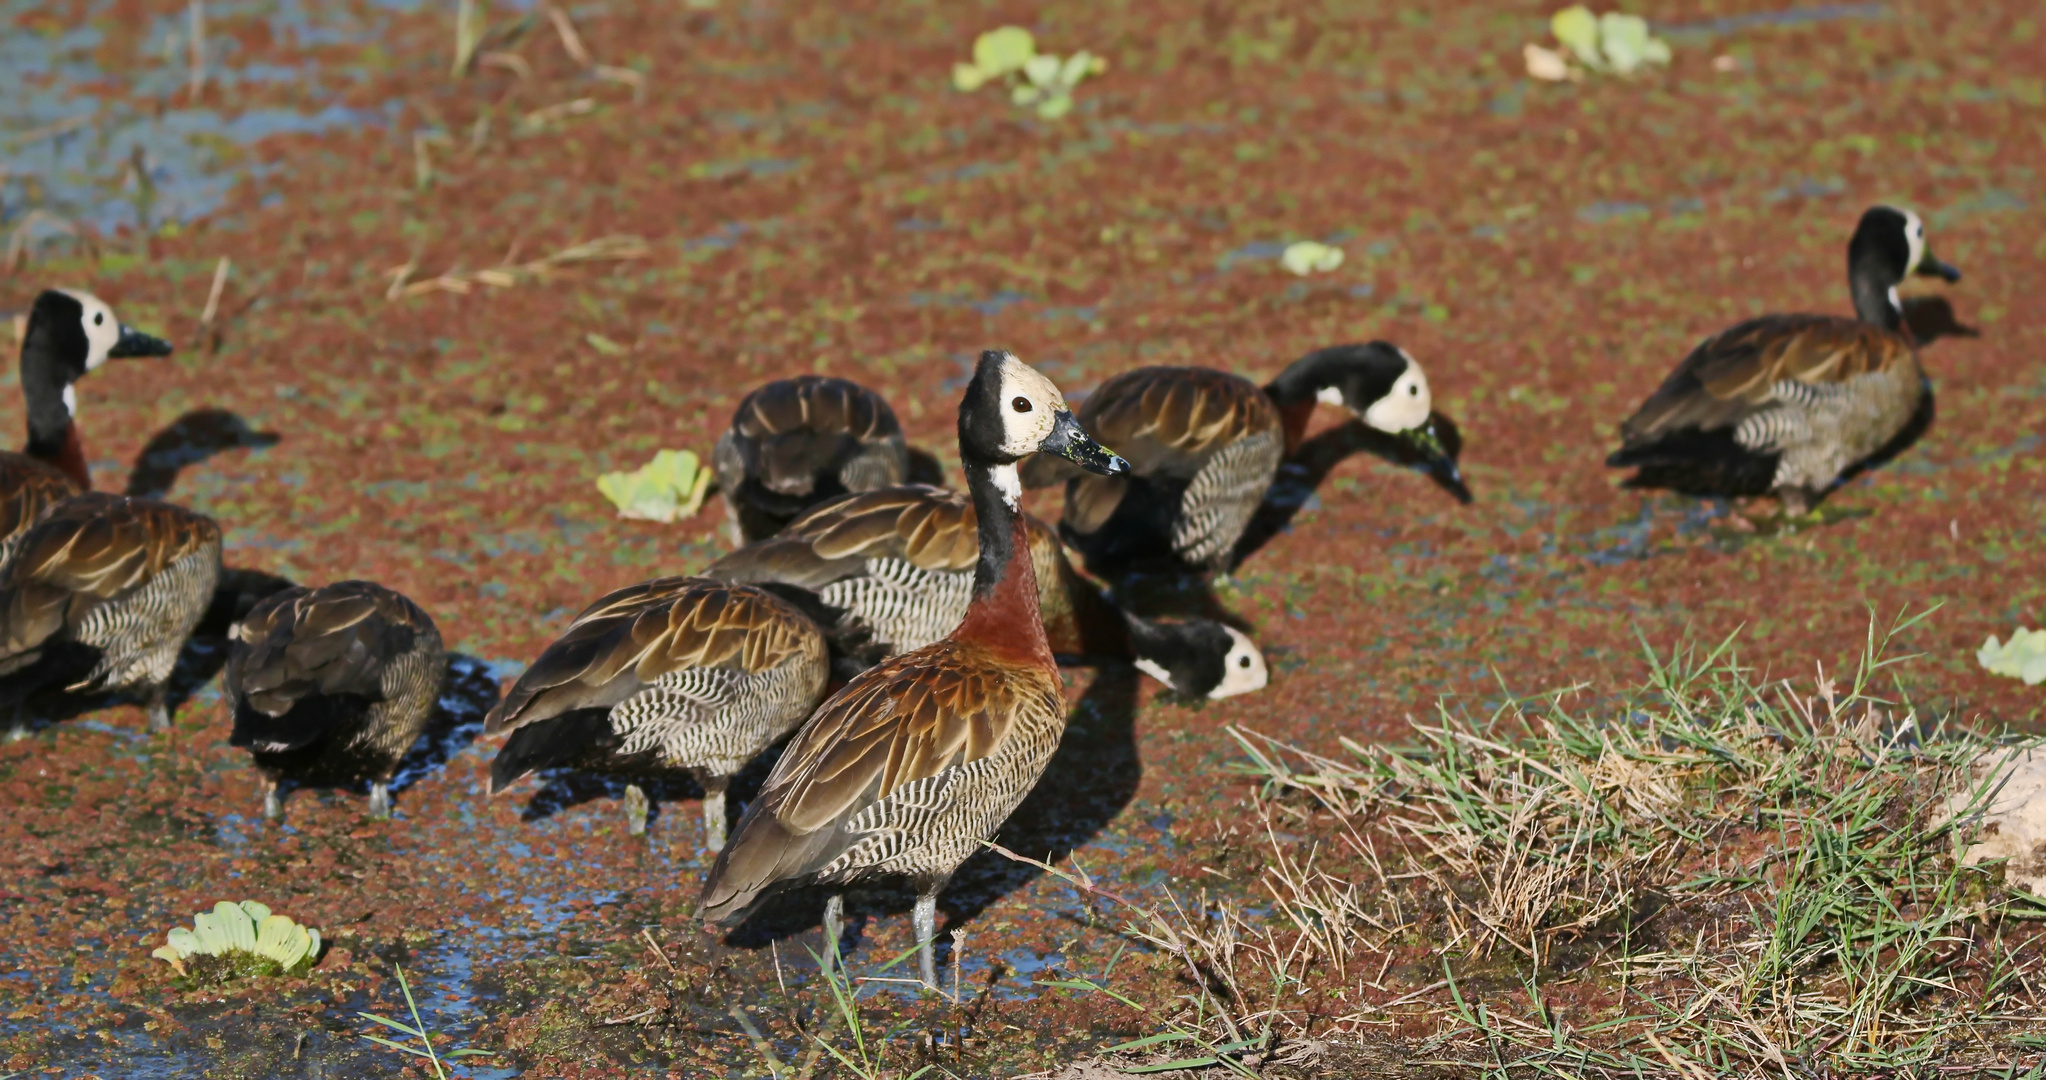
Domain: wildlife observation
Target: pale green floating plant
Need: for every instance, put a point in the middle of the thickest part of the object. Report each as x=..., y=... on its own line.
x=1306, y=257
x=245, y=930
x=668, y=488
x=1037, y=80
x=1613, y=42
x=2022, y=657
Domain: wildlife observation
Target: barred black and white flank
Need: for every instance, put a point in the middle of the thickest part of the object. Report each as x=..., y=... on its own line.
x=1790, y=405
x=101, y=595
x=332, y=685
x=891, y=570
x=675, y=674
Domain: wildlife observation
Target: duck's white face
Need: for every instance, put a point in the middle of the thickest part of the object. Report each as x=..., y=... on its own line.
x=1914, y=234
x=102, y=330
x=1406, y=406
x=1243, y=670
x=1030, y=407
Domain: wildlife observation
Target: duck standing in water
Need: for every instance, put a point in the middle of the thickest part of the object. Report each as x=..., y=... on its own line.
x=921, y=758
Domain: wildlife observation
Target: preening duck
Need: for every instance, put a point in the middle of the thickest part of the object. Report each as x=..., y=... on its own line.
x=101, y=595
x=68, y=334
x=919, y=759
x=1204, y=446
x=332, y=684
x=892, y=570
x=675, y=674
x=797, y=442
x=1789, y=405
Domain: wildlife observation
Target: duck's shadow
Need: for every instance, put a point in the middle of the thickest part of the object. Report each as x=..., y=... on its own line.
x=563, y=788
x=189, y=440
x=1091, y=779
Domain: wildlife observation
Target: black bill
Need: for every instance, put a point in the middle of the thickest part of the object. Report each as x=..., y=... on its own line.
x=1932, y=267
x=134, y=344
x=1070, y=441
x=1436, y=459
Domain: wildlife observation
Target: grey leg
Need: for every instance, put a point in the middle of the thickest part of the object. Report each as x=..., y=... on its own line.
x=925, y=919
x=379, y=799
x=157, y=708
x=714, y=827
x=273, y=802
x=834, y=924
x=17, y=724
x=636, y=808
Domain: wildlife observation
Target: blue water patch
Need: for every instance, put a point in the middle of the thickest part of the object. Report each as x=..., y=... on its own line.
x=1599, y=213
x=78, y=155
x=1798, y=16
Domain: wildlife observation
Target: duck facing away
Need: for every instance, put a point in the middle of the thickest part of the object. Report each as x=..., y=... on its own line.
x=892, y=570
x=796, y=442
x=1205, y=445
x=68, y=334
x=1789, y=405
x=674, y=674
x=919, y=759
x=332, y=684
x=101, y=595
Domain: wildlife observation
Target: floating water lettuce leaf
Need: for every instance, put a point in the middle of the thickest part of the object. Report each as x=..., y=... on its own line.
x=1308, y=257
x=2022, y=657
x=1625, y=41
x=669, y=487
x=1614, y=42
x=1003, y=49
x=1577, y=28
x=1046, y=82
x=245, y=930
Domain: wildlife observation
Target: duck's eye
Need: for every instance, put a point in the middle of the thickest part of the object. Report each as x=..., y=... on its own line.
x=99, y=318
x=1413, y=390
x=1243, y=661
x=1021, y=404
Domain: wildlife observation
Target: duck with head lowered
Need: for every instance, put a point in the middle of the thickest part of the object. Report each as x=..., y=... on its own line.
x=1790, y=405
x=1204, y=447
x=69, y=333
x=922, y=757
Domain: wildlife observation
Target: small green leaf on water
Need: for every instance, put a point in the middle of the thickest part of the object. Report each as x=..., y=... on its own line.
x=1042, y=71
x=604, y=345
x=1003, y=50
x=2022, y=657
x=1056, y=106
x=668, y=488
x=1577, y=28
x=1308, y=257
x=1624, y=39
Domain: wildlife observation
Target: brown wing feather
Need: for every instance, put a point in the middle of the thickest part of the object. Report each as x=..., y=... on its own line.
x=28, y=488
x=791, y=431
x=906, y=719
x=89, y=549
x=338, y=639
x=930, y=528
x=631, y=637
x=1729, y=375
x=1168, y=421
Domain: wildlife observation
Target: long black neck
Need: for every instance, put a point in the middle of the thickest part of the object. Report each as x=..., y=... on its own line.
x=1304, y=378
x=1872, y=292
x=42, y=385
x=996, y=521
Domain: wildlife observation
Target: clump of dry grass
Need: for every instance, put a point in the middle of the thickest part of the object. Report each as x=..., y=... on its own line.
x=1757, y=881
x=508, y=274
